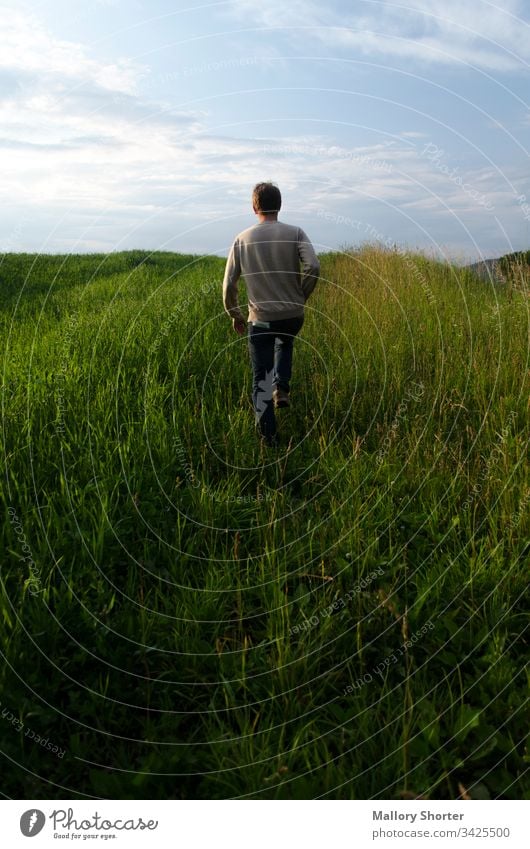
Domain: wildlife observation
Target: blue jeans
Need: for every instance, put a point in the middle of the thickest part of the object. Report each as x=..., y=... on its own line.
x=271, y=355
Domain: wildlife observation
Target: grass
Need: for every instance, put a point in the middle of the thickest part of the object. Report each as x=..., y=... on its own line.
x=185, y=615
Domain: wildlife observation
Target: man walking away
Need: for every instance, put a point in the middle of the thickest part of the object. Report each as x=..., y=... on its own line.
x=268, y=256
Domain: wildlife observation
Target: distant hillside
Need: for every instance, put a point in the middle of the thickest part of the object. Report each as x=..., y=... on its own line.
x=498, y=269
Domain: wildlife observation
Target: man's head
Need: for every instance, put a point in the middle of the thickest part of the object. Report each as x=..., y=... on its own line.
x=266, y=199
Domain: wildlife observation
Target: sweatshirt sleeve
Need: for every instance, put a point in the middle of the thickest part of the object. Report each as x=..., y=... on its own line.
x=310, y=263
x=231, y=278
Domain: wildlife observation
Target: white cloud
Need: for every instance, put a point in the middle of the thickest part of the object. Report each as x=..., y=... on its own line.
x=80, y=145
x=438, y=31
x=73, y=128
x=29, y=48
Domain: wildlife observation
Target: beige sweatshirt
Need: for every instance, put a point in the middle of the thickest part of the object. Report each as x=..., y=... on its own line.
x=268, y=256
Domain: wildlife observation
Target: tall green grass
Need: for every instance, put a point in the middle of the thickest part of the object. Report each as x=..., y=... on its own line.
x=187, y=614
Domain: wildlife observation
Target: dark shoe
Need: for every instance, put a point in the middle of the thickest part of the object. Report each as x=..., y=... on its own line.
x=271, y=441
x=280, y=398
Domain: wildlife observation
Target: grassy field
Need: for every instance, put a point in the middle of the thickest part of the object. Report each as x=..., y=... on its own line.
x=186, y=614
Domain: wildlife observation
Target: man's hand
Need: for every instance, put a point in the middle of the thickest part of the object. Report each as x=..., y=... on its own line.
x=239, y=325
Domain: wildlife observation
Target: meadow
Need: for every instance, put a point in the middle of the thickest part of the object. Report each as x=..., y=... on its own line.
x=187, y=614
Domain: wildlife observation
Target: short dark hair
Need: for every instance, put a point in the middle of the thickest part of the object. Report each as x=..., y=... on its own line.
x=266, y=197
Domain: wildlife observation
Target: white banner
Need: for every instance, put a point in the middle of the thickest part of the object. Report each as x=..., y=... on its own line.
x=265, y=824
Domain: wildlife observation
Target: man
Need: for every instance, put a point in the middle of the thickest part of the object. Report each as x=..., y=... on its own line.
x=268, y=256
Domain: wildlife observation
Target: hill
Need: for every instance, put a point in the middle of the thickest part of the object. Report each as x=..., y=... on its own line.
x=186, y=615
x=511, y=268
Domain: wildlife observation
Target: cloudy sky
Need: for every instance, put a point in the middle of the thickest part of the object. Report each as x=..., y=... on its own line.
x=130, y=124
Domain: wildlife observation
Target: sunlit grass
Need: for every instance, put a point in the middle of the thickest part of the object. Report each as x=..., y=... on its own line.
x=166, y=622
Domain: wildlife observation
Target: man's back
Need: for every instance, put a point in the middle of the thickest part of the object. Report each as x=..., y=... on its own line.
x=268, y=255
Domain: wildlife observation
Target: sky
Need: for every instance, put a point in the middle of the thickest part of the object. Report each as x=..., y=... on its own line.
x=130, y=124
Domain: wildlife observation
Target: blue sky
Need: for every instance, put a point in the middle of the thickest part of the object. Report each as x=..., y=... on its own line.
x=145, y=125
